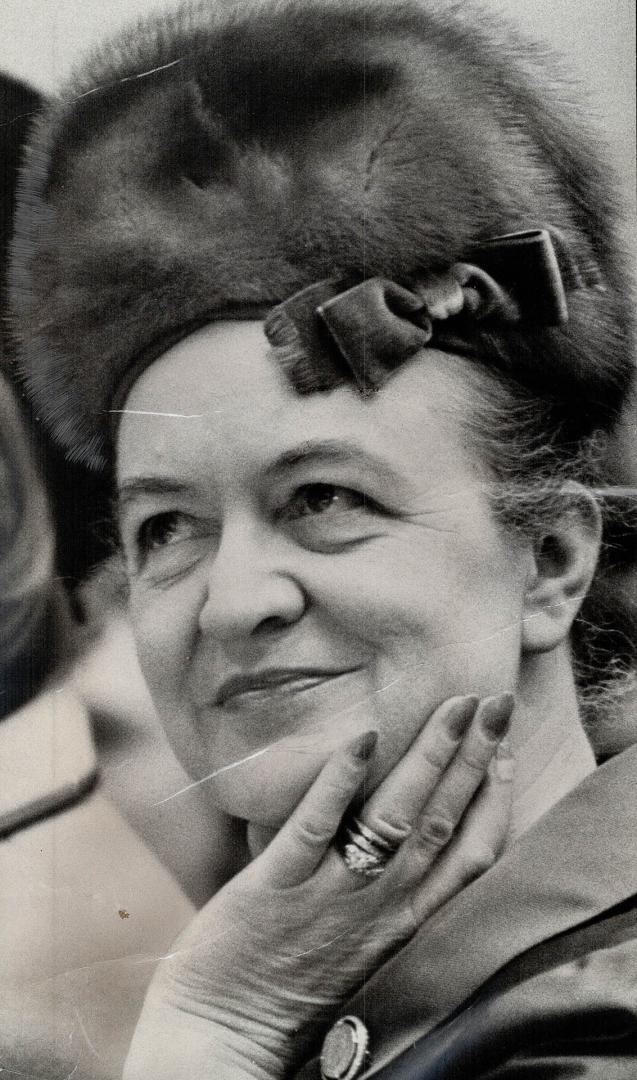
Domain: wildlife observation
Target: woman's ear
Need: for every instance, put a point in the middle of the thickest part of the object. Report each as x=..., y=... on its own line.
x=564, y=560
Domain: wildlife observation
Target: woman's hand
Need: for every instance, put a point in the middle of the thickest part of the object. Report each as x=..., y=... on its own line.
x=265, y=965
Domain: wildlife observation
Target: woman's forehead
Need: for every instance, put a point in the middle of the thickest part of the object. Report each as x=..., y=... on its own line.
x=219, y=399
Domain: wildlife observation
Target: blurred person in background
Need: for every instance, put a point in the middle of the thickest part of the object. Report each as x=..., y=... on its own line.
x=87, y=902
x=137, y=765
x=79, y=913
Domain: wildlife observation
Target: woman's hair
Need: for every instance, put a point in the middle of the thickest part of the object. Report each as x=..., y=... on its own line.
x=521, y=440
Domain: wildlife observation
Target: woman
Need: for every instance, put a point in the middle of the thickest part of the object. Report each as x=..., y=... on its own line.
x=333, y=295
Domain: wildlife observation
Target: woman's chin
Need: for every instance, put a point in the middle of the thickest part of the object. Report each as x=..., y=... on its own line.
x=265, y=785
x=266, y=759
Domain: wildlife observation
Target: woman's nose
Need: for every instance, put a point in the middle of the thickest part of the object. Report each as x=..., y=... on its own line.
x=250, y=590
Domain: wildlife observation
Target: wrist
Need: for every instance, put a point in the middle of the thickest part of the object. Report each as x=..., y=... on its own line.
x=264, y=1034
x=173, y=1044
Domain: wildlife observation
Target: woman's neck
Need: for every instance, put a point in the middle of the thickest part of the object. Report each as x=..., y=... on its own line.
x=551, y=749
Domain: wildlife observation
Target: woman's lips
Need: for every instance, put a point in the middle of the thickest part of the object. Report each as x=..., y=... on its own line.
x=261, y=687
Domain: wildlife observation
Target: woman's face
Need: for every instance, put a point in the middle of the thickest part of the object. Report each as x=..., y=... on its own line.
x=305, y=568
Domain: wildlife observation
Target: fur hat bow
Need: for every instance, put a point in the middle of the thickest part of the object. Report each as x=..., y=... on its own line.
x=375, y=326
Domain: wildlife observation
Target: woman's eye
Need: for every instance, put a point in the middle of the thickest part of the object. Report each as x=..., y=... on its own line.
x=166, y=545
x=329, y=517
x=324, y=499
x=161, y=530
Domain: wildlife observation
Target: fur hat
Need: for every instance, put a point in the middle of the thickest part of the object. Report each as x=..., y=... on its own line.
x=227, y=156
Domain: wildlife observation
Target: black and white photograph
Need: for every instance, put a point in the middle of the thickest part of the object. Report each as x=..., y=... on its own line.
x=318, y=540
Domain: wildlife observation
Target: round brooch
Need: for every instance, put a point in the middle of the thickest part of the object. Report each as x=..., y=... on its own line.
x=345, y=1049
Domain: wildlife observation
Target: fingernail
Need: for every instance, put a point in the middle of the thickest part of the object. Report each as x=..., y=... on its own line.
x=460, y=716
x=496, y=715
x=364, y=746
x=504, y=762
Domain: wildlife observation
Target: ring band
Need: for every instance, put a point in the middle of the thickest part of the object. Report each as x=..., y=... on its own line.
x=373, y=837
x=365, y=852
x=363, y=844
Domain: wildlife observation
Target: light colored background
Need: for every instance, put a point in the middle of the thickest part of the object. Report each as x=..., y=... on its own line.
x=41, y=40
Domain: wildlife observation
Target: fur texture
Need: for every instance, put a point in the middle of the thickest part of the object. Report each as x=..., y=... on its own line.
x=18, y=106
x=229, y=155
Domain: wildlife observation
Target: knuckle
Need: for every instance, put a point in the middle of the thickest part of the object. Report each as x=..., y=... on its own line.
x=390, y=827
x=435, y=830
x=311, y=834
x=475, y=764
x=477, y=861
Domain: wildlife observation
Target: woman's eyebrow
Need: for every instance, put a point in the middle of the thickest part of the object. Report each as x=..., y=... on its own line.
x=138, y=486
x=333, y=451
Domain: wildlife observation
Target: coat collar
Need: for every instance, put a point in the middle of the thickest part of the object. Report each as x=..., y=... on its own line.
x=576, y=862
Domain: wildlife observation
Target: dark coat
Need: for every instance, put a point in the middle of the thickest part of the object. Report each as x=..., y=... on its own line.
x=531, y=972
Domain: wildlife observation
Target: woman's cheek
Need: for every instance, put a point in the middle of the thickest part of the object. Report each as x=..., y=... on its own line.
x=164, y=625
x=266, y=788
x=439, y=614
